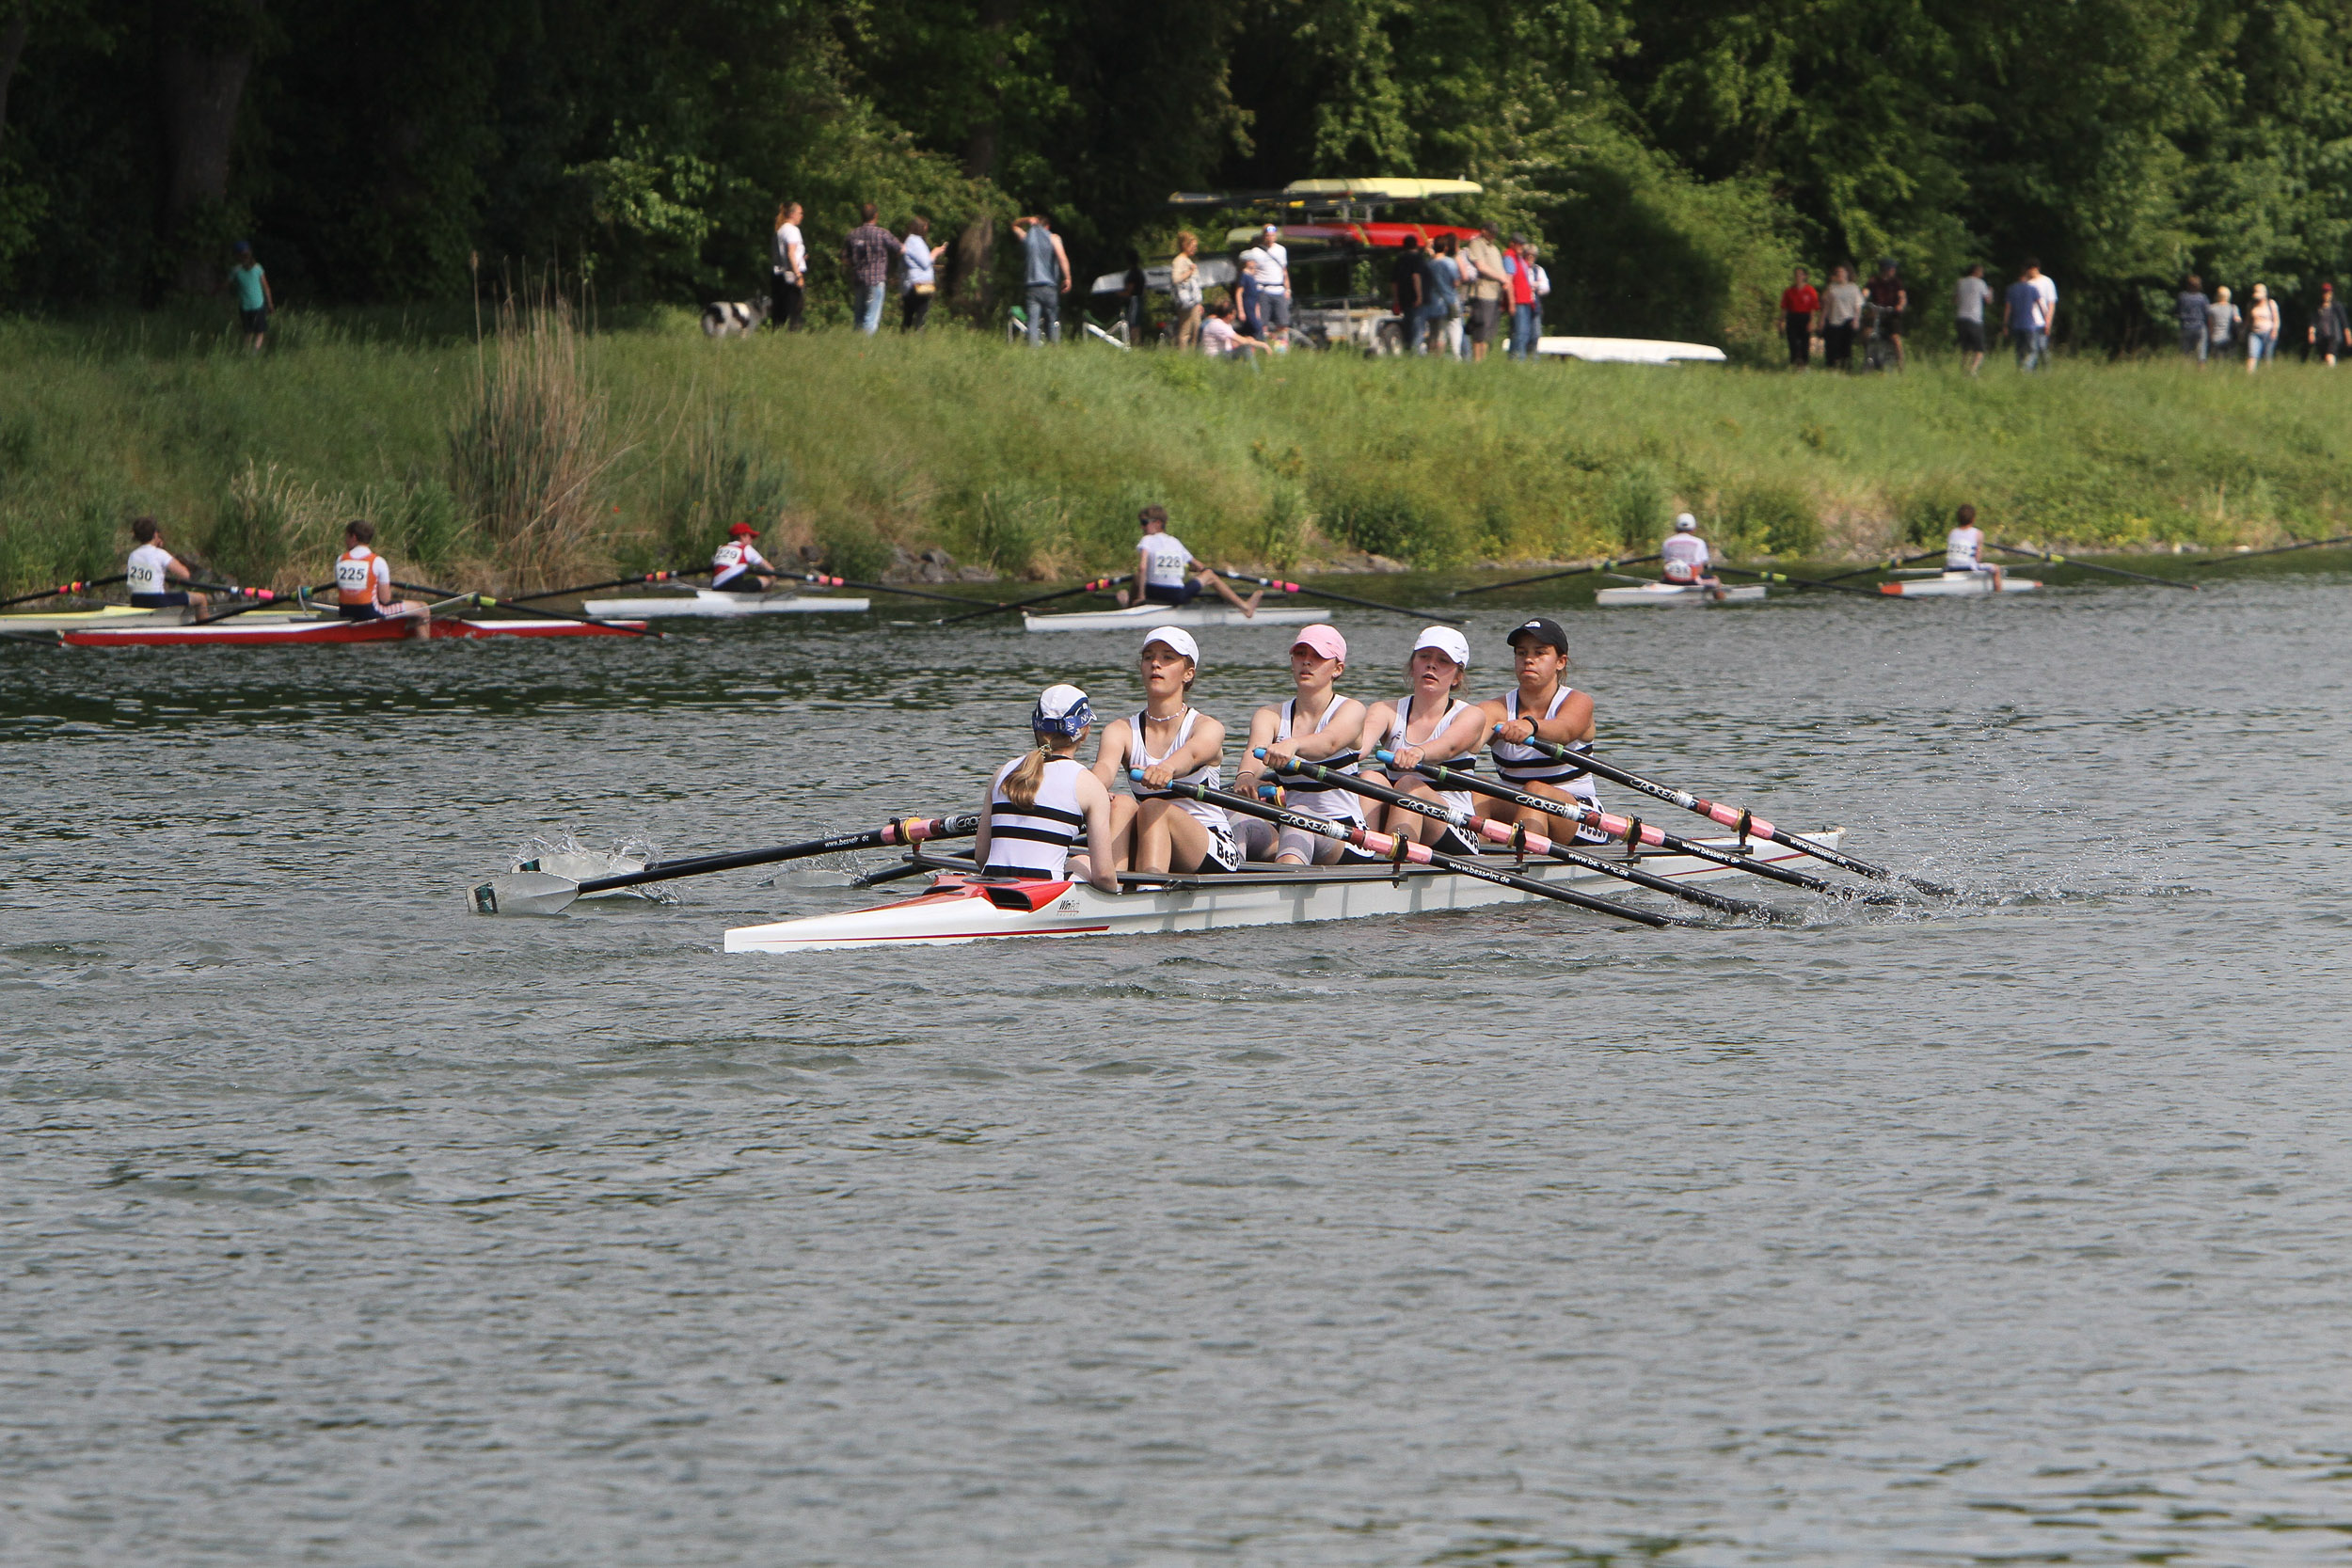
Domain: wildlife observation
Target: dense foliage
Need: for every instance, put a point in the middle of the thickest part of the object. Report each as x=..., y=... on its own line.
x=1676, y=155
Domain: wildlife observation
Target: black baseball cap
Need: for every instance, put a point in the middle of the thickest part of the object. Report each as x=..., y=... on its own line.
x=1543, y=630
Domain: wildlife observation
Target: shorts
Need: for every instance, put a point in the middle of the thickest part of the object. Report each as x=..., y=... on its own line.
x=1972, y=335
x=366, y=611
x=1274, y=308
x=1484, y=313
x=255, y=321
x=742, y=582
x=1224, y=853
x=1160, y=593
x=158, y=601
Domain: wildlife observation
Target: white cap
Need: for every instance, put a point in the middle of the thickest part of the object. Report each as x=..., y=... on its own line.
x=1446, y=641
x=1685, y=523
x=1178, y=641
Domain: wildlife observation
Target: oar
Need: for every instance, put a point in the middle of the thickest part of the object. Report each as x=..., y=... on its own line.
x=46, y=638
x=1573, y=571
x=64, y=588
x=1808, y=582
x=240, y=610
x=483, y=601
x=1893, y=563
x=1632, y=829
x=1348, y=598
x=823, y=582
x=1518, y=837
x=1405, y=850
x=591, y=587
x=1744, y=823
x=2196, y=565
x=2091, y=567
x=1097, y=586
x=544, y=893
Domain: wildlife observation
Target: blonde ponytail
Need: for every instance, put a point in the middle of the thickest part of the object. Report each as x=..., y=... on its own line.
x=1021, y=784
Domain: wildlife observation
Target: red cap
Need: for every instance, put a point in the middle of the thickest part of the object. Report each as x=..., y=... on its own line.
x=743, y=531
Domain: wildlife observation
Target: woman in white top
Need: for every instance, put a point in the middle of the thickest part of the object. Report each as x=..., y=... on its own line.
x=1429, y=724
x=1038, y=805
x=1165, y=573
x=153, y=569
x=1683, y=557
x=2261, y=329
x=1169, y=740
x=1184, y=288
x=2220, y=318
x=1542, y=706
x=1963, y=547
x=921, y=281
x=1317, y=725
x=1841, y=314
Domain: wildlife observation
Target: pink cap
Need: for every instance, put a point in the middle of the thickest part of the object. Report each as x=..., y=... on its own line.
x=1324, y=640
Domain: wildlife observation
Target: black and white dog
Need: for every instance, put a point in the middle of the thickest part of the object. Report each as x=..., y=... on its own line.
x=733, y=318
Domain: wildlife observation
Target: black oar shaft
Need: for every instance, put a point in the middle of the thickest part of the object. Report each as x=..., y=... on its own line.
x=485, y=601
x=1097, y=586
x=1890, y=564
x=1548, y=576
x=1350, y=598
x=911, y=830
x=521, y=600
x=1806, y=582
x=63, y=589
x=243, y=608
x=2092, y=567
x=824, y=581
x=2275, y=549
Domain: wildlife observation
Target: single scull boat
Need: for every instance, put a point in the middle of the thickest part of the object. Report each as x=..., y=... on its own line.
x=1666, y=596
x=261, y=631
x=1955, y=585
x=714, y=604
x=1168, y=615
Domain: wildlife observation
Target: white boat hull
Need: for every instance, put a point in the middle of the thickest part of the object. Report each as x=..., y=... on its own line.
x=957, y=910
x=1951, y=585
x=1146, y=616
x=1676, y=594
x=711, y=603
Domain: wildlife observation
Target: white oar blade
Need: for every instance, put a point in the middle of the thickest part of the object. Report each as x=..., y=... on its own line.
x=523, y=892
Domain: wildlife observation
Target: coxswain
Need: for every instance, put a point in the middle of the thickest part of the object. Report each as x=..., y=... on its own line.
x=363, y=579
x=738, y=568
x=1040, y=803
x=153, y=569
x=1542, y=706
x=1431, y=724
x=1683, y=558
x=1963, y=548
x=1316, y=725
x=1165, y=573
x=1170, y=741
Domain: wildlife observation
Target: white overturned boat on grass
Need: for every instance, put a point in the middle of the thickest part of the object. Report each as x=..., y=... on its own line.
x=960, y=909
x=1149, y=615
x=1948, y=585
x=713, y=603
x=1668, y=595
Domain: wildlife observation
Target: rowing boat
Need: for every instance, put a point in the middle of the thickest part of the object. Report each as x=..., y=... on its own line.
x=1170, y=615
x=261, y=631
x=959, y=907
x=1944, y=585
x=102, y=615
x=1669, y=595
x=713, y=603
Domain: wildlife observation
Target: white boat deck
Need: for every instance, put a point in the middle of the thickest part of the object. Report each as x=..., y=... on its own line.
x=709, y=603
x=1952, y=585
x=1197, y=613
x=1670, y=595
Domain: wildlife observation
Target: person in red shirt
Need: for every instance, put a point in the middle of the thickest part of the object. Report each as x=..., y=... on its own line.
x=1527, y=317
x=1799, y=303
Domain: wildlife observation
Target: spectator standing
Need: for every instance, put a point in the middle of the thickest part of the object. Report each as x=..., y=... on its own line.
x=1799, y=302
x=1841, y=313
x=254, y=299
x=1484, y=262
x=1411, y=284
x=921, y=276
x=2221, y=320
x=1184, y=286
x=1133, y=293
x=2048, y=291
x=2026, y=317
x=788, y=271
x=867, y=251
x=1891, y=299
x=2330, y=327
x=1442, y=270
x=1045, y=275
x=2261, y=329
x=1267, y=266
x=1526, y=315
x=1969, y=298
x=2190, y=309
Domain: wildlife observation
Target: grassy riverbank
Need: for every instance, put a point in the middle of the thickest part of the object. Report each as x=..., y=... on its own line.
x=551, y=451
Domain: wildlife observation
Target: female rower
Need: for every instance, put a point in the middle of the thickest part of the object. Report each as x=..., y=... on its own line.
x=1317, y=725
x=1170, y=741
x=1431, y=724
x=1037, y=803
x=1545, y=707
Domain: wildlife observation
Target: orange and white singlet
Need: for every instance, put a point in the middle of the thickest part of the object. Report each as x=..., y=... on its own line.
x=359, y=572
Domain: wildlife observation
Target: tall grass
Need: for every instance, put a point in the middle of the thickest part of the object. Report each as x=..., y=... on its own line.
x=553, y=449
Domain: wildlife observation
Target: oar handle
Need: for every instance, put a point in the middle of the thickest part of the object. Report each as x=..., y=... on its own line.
x=909, y=830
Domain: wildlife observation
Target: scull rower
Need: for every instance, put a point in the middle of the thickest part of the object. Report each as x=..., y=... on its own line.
x=1169, y=739
x=1963, y=548
x=1165, y=573
x=1039, y=803
x=1542, y=705
x=363, y=579
x=1683, y=558
x=153, y=569
x=1431, y=724
x=738, y=568
x=1319, y=725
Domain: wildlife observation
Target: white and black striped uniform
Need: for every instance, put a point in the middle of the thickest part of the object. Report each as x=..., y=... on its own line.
x=1035, y=840
x=1332, y=805
x=1521, y=766
x=1460, y=800
x=1224, y=850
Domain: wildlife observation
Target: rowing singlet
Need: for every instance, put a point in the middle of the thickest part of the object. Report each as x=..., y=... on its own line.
x=1165, y=561
x=1684, y=558
x=150, y=571
x=357, y=571
x=1964, y=550
x=732, y=560
x=1224, y=850
x=1332, y=805
x=1035, y=840
x=1524, y=765
x=1460, y=800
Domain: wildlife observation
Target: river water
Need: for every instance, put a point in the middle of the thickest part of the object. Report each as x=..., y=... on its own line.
x=339, y=1226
